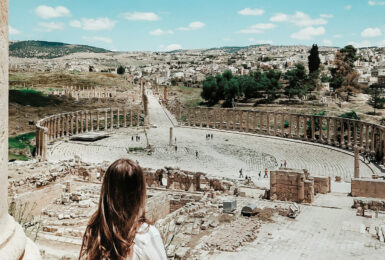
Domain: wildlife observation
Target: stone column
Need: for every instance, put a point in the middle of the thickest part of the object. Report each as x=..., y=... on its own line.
x=221, y=118
x=67, y=125
x=305, y=120
x=97, y=120
x=260, y=122
x=275, y=124
x=189, y=116
x=247, y=121
x=13, y=243
x=320, y=123
x=77, y=122
x=138, y=124
x=200, y=117
x=312, y=128
x=124, y=118
x=355, y=133
x=207, y=118
x=234, y=119
x=72, y=124
x=37, y=140
x=255, y=123
x=342, y=143
x=349, y=137
x=268, y=123
x=367, y=137
x=170, y=136
x=131, y=123
x=335, y=139
x=118, y=118
x=81, y=121
x=372, y=140
x=112, y=119
x=214, y=118
x=283, y=125
x=290, y=125
x=356, y=162
x=195, y=117
x=227, y=119
x=328, y=131
x=240, y=120
x=62, y=125
x=86, y=117
x=105, y=120
x=298, y=118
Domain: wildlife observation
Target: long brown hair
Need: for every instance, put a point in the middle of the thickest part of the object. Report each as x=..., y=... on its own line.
x=112, y=228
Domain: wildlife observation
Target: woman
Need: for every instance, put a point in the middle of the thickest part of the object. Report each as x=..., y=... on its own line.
x=119, y=229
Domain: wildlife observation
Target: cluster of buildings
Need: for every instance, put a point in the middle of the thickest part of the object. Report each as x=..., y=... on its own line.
x=190, y=67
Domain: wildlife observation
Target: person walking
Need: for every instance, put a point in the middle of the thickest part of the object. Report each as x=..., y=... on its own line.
x=285, y=164
x=241, y=173
x=265, y=173
x=119, y=228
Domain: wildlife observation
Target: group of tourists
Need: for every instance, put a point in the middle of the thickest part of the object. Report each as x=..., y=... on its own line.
x=209, y=136
x=137, y=138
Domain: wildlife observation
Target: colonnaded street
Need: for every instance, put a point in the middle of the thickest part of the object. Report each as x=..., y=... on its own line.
x=222, y=156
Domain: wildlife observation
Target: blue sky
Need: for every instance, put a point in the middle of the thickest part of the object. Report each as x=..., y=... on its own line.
x=160, y=25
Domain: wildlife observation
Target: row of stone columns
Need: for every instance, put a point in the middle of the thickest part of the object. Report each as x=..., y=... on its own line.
x=57, y=126
x=340, y=132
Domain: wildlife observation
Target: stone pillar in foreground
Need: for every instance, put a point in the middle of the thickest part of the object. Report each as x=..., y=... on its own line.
x=170, y=136
x=14, y=244
x=356, y=162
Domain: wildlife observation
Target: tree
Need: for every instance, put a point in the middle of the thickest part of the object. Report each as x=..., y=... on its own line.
x=313, y=59
x=121, y=70
x=377, y=99
x=297, y=78
x=231, y=91
x=344, y=77
x=209, y=91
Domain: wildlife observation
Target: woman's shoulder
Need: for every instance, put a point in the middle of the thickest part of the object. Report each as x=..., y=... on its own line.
x=146, y=232
x=148, y=243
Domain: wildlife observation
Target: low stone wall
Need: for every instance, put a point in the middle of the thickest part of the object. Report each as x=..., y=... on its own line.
x=291, y=185
x=322, y=184
x=372, y=204
x=157, y=206
x=368, y=188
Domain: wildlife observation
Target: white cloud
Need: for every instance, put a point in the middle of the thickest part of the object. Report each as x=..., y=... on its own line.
x=13, y=31
x=337, y=36
x=249, y=11
x=93, y=24
x=258, y=28
x=97, y=39
x=327, y=42
x=299, y=19
x=49, y=27
x=326, y=16
x=160, y=32
x=371, y=32
x=361, y=44
x=141, y=16
x=373, y=3
x=193, y=26
x=47, y=12
x=308, y=33
x=348, y=7
x=171, y=47
x=255, y=41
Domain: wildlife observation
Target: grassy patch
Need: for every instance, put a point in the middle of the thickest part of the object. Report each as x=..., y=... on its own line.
x=134, y=149
x=21, y=141
x=30, y=97
x=18, y=157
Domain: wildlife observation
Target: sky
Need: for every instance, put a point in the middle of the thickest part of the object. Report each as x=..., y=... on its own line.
x=165, y=25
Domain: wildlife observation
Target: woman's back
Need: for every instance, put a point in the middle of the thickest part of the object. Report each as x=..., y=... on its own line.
x=148, y=244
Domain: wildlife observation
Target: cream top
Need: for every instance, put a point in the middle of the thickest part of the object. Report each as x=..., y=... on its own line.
x=148, y=244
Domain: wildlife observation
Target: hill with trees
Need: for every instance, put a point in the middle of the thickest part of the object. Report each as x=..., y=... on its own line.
x=48, y=50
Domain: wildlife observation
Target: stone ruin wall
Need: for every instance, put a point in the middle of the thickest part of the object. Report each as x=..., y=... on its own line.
x=297, y=186
x=368, y=188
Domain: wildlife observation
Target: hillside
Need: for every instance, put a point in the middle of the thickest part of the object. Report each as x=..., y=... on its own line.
x=48, y=50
